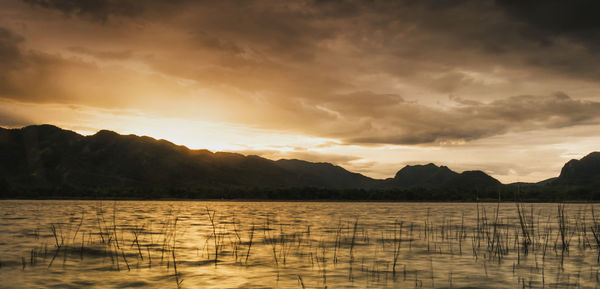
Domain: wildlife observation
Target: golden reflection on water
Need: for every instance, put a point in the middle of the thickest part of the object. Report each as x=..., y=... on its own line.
x=190, y=244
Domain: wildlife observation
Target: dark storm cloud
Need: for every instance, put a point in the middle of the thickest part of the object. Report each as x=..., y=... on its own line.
x=548, y=19
x=554, y=111
x=102, y=54
x=424, y=36
x=367, y=72
x=96, y=10
x=10, y=55
x=474, y=120
x=21, y=70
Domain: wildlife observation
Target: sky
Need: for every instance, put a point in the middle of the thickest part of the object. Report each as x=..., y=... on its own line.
x=508, y=87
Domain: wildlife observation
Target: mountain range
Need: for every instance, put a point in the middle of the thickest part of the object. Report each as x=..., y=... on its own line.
x=46, y=160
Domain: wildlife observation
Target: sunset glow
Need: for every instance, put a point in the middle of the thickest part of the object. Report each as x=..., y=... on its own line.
x=367, y=86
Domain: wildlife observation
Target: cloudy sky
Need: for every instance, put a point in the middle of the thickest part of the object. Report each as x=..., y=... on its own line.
x=508, y=87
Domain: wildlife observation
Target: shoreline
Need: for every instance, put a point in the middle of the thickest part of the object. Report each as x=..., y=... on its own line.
x=300, y=201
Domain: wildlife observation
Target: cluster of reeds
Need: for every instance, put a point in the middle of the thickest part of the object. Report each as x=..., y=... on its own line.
x=380, y=254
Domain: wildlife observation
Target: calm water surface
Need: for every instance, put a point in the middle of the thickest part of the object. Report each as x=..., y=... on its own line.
x=195, y=244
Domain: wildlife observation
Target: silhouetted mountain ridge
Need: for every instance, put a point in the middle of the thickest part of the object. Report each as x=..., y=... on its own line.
x=428, y=175
x=585, y=171
x=47, y=157
x=432, y=176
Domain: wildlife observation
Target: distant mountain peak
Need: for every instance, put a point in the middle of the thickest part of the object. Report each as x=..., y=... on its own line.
x=105, y=132
x=429, y=175
x=583, y=171
x=42, y=126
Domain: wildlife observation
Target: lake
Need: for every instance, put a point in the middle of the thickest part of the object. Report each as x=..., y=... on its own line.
x=198, y=244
